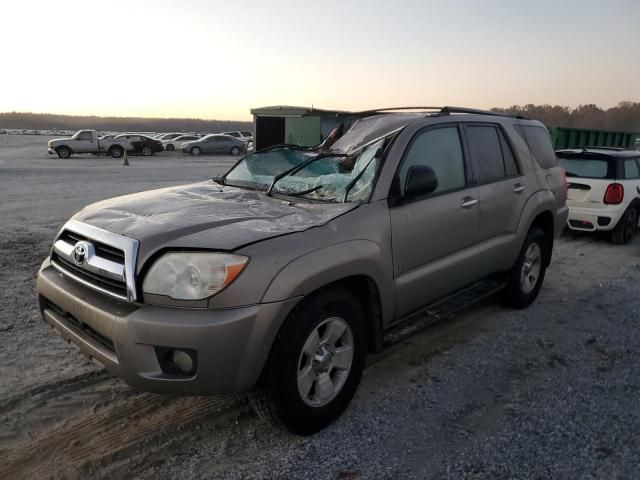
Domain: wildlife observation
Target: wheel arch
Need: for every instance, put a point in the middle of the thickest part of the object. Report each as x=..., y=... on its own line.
x=539, y=212
x=354, y=266
x=545, y=222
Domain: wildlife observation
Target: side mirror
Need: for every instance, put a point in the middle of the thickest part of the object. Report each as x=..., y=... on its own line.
x=421, y=180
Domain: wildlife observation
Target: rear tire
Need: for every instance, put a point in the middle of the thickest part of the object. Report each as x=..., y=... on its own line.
x=315, y=364
x=116, y=151
x=146, y=151
x=626, y=228
x=527, y=275
x=195, y=151
x=235, y=151
x=170, y=148
x=63, y=152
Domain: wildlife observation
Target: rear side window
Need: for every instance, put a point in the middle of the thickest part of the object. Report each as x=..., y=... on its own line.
x=490, y=152
x=440, y=149
x=581, y=167
x=631, y=169
x=539, y=143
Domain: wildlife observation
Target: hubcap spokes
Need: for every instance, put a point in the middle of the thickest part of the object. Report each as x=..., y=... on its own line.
x=325, y=362
x=531, y=268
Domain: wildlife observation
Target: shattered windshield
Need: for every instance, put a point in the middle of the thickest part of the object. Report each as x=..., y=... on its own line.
x=309, y=174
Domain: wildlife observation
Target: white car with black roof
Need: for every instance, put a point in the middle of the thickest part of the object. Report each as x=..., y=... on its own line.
x=604, y=190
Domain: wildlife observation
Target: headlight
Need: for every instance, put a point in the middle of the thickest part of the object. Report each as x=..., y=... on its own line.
x=192, y=275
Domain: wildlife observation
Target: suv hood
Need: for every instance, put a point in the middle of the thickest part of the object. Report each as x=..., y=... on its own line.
x=204, y=215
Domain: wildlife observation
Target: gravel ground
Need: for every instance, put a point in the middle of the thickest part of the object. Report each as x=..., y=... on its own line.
x=547, y=392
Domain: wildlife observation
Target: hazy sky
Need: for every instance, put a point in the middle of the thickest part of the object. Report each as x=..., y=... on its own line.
x=210, y=59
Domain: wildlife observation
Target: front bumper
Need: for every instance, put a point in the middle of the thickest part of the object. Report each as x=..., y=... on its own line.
x=51, y=151
x=231, y=344
x=594, y=219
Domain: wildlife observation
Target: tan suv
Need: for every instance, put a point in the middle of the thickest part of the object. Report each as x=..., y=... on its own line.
x=280, y=276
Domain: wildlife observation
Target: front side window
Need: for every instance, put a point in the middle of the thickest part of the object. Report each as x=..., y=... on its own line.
x=440, y=149
x=84, y=136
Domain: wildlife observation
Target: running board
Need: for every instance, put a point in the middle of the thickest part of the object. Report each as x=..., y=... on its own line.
x=442, y=309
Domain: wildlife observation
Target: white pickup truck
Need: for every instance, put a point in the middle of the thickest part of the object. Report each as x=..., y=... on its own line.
x=87, y=141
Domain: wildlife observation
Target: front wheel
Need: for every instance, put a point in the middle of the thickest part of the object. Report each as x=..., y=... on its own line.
x=116, y=152
x=527, y=275
x=195, y=151
x=63, y=152
x=315, y=364
x=626, y=228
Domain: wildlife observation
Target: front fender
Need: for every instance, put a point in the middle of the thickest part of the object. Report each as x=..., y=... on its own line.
x=329, y=264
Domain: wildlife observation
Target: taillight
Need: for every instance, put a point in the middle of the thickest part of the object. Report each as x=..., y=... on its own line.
x=614, y=194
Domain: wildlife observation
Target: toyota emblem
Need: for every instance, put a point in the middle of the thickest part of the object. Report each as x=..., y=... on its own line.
x=79, y=253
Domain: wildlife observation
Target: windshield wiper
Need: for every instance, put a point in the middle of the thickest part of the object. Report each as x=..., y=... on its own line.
x=300, y=166
x=302, y=193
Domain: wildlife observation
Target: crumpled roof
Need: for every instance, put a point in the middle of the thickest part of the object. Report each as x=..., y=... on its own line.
x=367, y=129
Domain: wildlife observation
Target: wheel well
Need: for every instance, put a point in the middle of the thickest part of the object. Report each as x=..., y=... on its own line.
x=365, y=289
x=544, y=221
x=115, y=146
x=62, y=146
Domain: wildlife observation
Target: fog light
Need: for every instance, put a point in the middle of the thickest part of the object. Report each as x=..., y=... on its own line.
x=182, y=360
x=177, y=361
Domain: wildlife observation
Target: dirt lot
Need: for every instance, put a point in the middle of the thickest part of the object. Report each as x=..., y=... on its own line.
x=548, y=392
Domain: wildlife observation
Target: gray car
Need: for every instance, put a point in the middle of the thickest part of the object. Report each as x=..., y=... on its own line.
x=215, y=143
x=282, y=275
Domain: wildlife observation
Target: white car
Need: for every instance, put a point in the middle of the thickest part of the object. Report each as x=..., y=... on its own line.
x=176, y=143
x=603, y=190
x=244, y=136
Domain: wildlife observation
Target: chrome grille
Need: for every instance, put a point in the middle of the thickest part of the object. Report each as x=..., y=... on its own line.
x=106, y=261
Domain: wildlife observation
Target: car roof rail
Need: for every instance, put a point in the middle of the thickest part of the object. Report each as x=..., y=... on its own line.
x=439, y=111
x=593, y=147
x=391, y=109
x=474, y=111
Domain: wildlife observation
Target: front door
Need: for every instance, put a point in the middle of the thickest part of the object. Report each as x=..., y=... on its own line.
x=432, y=236
x=85, y=143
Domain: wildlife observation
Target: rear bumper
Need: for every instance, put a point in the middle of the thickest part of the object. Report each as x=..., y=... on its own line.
x=594, y=219
x=231, y=345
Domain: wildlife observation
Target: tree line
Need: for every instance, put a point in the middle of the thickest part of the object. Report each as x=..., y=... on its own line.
x=625, y=116
x=49, y=121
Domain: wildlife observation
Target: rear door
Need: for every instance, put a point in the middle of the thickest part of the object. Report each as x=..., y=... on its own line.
x=431, y=235
x=502, y=192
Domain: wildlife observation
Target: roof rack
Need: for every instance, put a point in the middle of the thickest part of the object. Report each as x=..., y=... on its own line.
x=441, y=111
x=475, y=111
x=617, y=149
x=391, y=109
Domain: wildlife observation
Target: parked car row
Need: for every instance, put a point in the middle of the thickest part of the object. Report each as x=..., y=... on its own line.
x=115, y=145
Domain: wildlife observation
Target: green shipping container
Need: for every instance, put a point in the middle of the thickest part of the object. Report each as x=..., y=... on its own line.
x=581, y=137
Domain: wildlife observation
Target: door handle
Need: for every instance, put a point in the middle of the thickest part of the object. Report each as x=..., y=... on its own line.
x=468, y=202
x=518, y=188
